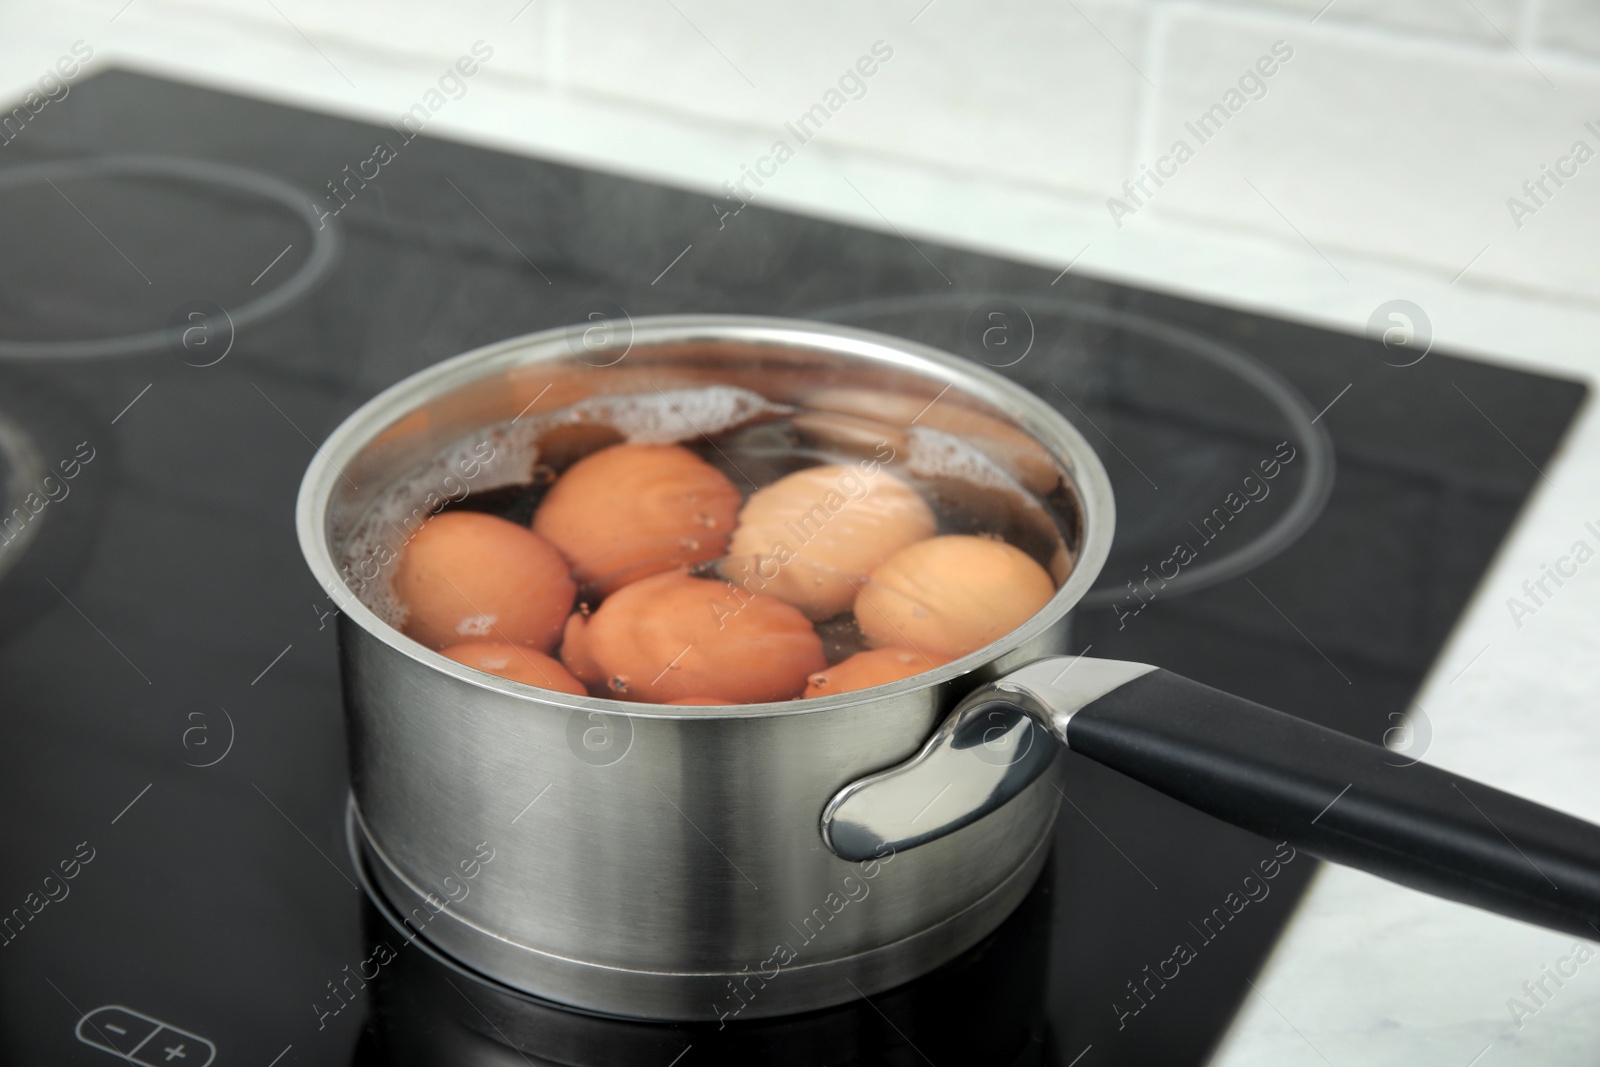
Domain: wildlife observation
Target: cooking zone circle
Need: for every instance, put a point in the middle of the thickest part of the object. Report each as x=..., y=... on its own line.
x=1182, y=421
x=177, y=231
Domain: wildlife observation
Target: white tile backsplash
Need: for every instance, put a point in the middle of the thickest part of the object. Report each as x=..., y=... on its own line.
x=1568, y=26
x=1385, y=146
x=429, y=35
x=1044, y=94
x=1398, y=129
x=1488, y=21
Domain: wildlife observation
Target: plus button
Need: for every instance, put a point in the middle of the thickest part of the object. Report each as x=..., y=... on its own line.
x=175, y=1052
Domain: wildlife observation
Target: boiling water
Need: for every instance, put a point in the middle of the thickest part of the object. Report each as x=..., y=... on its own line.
x=506, y=469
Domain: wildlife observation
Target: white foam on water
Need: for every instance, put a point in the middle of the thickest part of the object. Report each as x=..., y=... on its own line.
x=936, y=454
x=670, y=416
x=506, y=453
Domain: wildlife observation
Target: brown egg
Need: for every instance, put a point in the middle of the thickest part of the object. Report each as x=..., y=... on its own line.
x=878, y=666
x=466, y=576
x=812, y=537
x=519, y=663
x=630, y=511
x=951, y=595
x=704, y=702
x=671, y=637
x=575, y=650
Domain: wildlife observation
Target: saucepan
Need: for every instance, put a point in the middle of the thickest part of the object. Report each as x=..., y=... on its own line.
x=747, y=861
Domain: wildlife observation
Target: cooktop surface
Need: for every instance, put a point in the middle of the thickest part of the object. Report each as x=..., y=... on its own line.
x=197, y=287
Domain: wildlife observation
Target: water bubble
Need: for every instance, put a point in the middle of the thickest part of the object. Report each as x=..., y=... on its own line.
x=476, y=626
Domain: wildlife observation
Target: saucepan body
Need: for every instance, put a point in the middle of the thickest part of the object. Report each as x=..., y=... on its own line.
x=657, y=861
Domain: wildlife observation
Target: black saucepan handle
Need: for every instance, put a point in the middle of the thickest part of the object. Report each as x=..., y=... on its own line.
x=1346, y=800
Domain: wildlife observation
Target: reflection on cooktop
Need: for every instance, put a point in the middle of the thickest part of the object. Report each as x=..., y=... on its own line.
x=51, y=494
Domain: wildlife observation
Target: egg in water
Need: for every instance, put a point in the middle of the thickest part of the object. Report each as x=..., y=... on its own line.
x=811, y=538
x=518, y=663
x=951, y=595
x=629, y=511
x=877, y=666
x=468, y=576
x=672, y=637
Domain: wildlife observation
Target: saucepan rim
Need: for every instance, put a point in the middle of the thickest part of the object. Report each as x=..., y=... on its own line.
x=1024, y=409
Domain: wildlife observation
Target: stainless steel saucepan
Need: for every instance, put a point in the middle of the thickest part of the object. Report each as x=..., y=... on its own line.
x=747, y=861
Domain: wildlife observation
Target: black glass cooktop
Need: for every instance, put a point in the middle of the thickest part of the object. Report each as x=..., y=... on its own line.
x=179, y=330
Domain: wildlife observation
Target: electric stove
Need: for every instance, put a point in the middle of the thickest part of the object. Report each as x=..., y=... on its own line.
x=197, y=287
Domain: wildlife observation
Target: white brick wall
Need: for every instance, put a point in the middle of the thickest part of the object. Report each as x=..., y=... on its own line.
x=1571, y=26
x=1398, y=130
x=1403, y=147
x=1484, y=21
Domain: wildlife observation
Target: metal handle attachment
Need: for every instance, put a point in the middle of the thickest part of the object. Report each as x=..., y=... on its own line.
x=999, y=739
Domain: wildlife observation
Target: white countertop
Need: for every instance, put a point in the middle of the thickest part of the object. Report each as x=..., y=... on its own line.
x=1368, y=973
